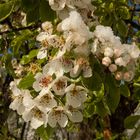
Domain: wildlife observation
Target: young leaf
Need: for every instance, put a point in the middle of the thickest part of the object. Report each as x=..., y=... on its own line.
x=27, y=81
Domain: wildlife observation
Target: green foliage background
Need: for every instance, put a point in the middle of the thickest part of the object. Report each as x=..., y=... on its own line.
x=109, y=100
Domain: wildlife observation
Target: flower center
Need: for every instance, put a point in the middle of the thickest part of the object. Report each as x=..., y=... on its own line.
x=45, y=81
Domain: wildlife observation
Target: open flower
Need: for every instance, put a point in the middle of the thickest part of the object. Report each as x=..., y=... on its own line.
x=20, y=98
x=45, y=101
x=42, y=81
x=57, y=4
x=60, y=85
x=77, y=30
x=74, y=114
x=57, y=115
x=36, y=116
x=81, y=65
x=75, y=95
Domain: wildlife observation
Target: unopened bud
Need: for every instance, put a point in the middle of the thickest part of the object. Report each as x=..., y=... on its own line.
x=106, y=61
x=108, y=52
x=128, y=76
x=47, y=26
x=117, y=52
x=112, y=68
x=119, y=75
x=120, y=62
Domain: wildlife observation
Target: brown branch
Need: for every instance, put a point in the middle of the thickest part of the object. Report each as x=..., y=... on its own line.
x=31, y=27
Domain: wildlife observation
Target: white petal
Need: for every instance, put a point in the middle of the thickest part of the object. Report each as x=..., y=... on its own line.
x=27, y=115
x=63, y=120
x=35, y=123
x=51, y=120
x=36, y=86
x=42, y=36
x=27, y=100
x=73, y=101
x=75, y=116
x=42, y=53
x=75, y=71
x=15, y=104
x=21, y=109
x=87, y=71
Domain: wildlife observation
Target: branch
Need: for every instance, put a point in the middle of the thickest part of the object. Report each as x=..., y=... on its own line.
x=31, y=27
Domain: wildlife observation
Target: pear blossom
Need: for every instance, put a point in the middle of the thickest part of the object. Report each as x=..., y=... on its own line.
x=112, y=68
x=120, y=62
x=57, y=115
x=81, y=64
x=108, y=52
x=42, y=53
x=58, y=66
x=60, y=85
x=106, y=61
x=75, y=27
x=119, y=75
x=128, y=76
x=47, y=27
x=36, y=116
x=75, y=95
x=74, y=114
x=20, y=98
x=45, y=101
x=57, y=4
x=42, y=81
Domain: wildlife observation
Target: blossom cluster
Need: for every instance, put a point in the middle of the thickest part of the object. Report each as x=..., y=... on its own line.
x=120, y=59
x=60, y=93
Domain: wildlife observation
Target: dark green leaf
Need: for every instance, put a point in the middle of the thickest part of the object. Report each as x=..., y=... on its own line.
x=122, y=27
x=124, y=90
x=45, y=11
x=93, y=83
x=6, y=9
x=130, y=121
x=113, y=93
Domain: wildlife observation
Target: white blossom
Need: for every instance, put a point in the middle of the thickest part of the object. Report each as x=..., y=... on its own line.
x=75, y=95
x=57, y=115
x=36, y=116
x=57, y=4
x=42, y=81
x=60, y=85
x=81, y=65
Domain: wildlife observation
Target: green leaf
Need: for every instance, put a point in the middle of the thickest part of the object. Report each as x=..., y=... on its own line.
x=89, y=110
x=102, y=108
x=45, y=11
x=130, y=121
x=6, y=9
x=45, y=133
x=113, y=93
x=136, y=134
x=122, y=27
x=93, y=83
x=124, y=90
x=19, y=40
x=27, y=81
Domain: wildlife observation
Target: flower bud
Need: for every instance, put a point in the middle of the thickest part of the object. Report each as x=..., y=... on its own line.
x=117, y=52
x=112, y=68
x=120, y=62
x=106, y=61
x=119, y=75
x=108, y=52
x=47, y=26
x=128, y=76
